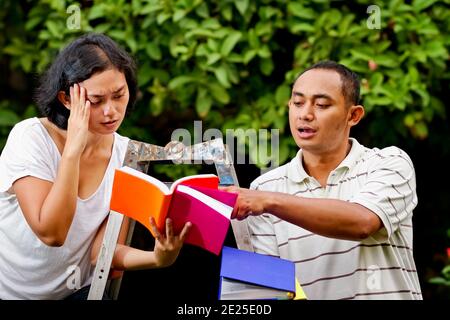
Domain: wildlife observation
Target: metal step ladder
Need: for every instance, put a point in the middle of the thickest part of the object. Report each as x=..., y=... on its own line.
x=138, y=156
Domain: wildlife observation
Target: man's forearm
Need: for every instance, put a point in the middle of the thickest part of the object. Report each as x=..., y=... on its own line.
x=327, y=217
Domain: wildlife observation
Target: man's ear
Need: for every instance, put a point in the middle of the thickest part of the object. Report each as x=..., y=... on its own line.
x=355, y=114
x=64, y=99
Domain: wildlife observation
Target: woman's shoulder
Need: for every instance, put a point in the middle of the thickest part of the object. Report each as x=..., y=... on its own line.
x=28, y=129
x=121, y=145
x=120, y=140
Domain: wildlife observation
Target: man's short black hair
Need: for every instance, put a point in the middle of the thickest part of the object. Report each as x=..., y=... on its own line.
x=82, y=58
x=350, y=80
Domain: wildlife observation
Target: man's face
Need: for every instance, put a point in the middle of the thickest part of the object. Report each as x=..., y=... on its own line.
x=318, y=115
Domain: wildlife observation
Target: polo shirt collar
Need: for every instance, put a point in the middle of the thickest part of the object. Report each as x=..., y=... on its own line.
x=297, y=173
x=295, y=170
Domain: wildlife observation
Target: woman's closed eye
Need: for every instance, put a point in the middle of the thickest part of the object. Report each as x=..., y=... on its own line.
x=95, y=101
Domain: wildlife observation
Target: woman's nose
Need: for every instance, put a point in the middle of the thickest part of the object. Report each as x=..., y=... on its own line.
x=107, y=110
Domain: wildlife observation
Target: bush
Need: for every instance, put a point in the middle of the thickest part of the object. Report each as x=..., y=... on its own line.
x=231, y=63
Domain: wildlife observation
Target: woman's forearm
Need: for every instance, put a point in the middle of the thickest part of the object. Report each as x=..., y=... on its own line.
x=59, y=206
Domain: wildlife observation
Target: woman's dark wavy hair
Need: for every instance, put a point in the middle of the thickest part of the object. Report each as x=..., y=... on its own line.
x=85, y=56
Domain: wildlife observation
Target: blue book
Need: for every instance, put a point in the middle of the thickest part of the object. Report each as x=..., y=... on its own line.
x=248, y=275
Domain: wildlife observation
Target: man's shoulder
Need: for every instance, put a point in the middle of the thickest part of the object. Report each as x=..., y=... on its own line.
x=273, y=176
x=386, y=156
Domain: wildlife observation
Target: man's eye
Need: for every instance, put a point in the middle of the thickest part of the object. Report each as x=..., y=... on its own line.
x=323, y=105
x=118, y=96
x=298, y=103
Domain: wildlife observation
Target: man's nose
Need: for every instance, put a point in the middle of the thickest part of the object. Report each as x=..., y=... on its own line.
x=307, y=112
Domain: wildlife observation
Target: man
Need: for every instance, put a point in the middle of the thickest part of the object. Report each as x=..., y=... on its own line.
x=342, y=212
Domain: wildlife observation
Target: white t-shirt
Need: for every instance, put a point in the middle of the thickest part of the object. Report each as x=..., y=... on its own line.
x=379, y=267
x=29, y=269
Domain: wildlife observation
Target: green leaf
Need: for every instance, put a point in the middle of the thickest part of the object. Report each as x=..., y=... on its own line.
x=180, y=81
x=33, y=22
x=132, y=44
x=376, y=80
x=117, y=34
x=381, y=101
x=8, y=118
x=440, y=281
x=264, y=52
x=230, y=41
x=242, y=6
x=227, y=12
x=161, y=17
x=282, y=95
x=178, y=15
x=300, y=11
x=253, y=39
x=203, y=102
x=54, y=29
x=266, y=66
x=102, y=28
x=360, y=55
x=409, y=120
x=386, y=60
x=420, y=5
x=221, y=75
x=213, y=58
x=211, y=23
x=13, y=50
x=436, y=49
x=151, y=7
x=156, y=105
x=249, y=55
x=26, y=62
x=96, y=12
x=219, y=93
x=153, y=51
x=305, y=27
x=420, y=130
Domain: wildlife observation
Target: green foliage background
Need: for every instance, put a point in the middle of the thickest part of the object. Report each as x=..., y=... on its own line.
x=230, y=63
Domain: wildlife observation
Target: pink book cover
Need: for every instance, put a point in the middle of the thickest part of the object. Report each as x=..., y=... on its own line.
x=209, y=226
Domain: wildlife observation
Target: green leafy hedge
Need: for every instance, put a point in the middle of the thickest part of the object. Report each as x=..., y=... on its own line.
x=230, y=63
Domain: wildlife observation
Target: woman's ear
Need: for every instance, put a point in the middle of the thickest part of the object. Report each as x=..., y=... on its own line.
x=64, y=99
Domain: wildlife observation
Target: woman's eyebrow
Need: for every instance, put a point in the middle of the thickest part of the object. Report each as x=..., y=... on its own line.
x=100, y=95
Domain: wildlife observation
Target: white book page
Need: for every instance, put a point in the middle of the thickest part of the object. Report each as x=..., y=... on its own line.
x=218, y=206
x=235, y=290
x=160, y=185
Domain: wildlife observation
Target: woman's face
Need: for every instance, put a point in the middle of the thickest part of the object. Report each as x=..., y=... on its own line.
x=108, y=93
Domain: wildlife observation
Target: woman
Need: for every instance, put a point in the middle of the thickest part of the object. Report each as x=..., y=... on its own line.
x=56, y=176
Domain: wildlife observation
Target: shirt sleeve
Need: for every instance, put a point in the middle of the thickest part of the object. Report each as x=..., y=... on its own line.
x=26, y=153
x=262, y=233
x=389, y=191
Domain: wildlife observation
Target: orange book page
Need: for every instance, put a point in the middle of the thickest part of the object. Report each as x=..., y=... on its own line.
x=205, y=181
x=139, y=200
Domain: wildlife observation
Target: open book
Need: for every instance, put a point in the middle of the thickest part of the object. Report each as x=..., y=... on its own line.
x=193, y=198
x=250, y=276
